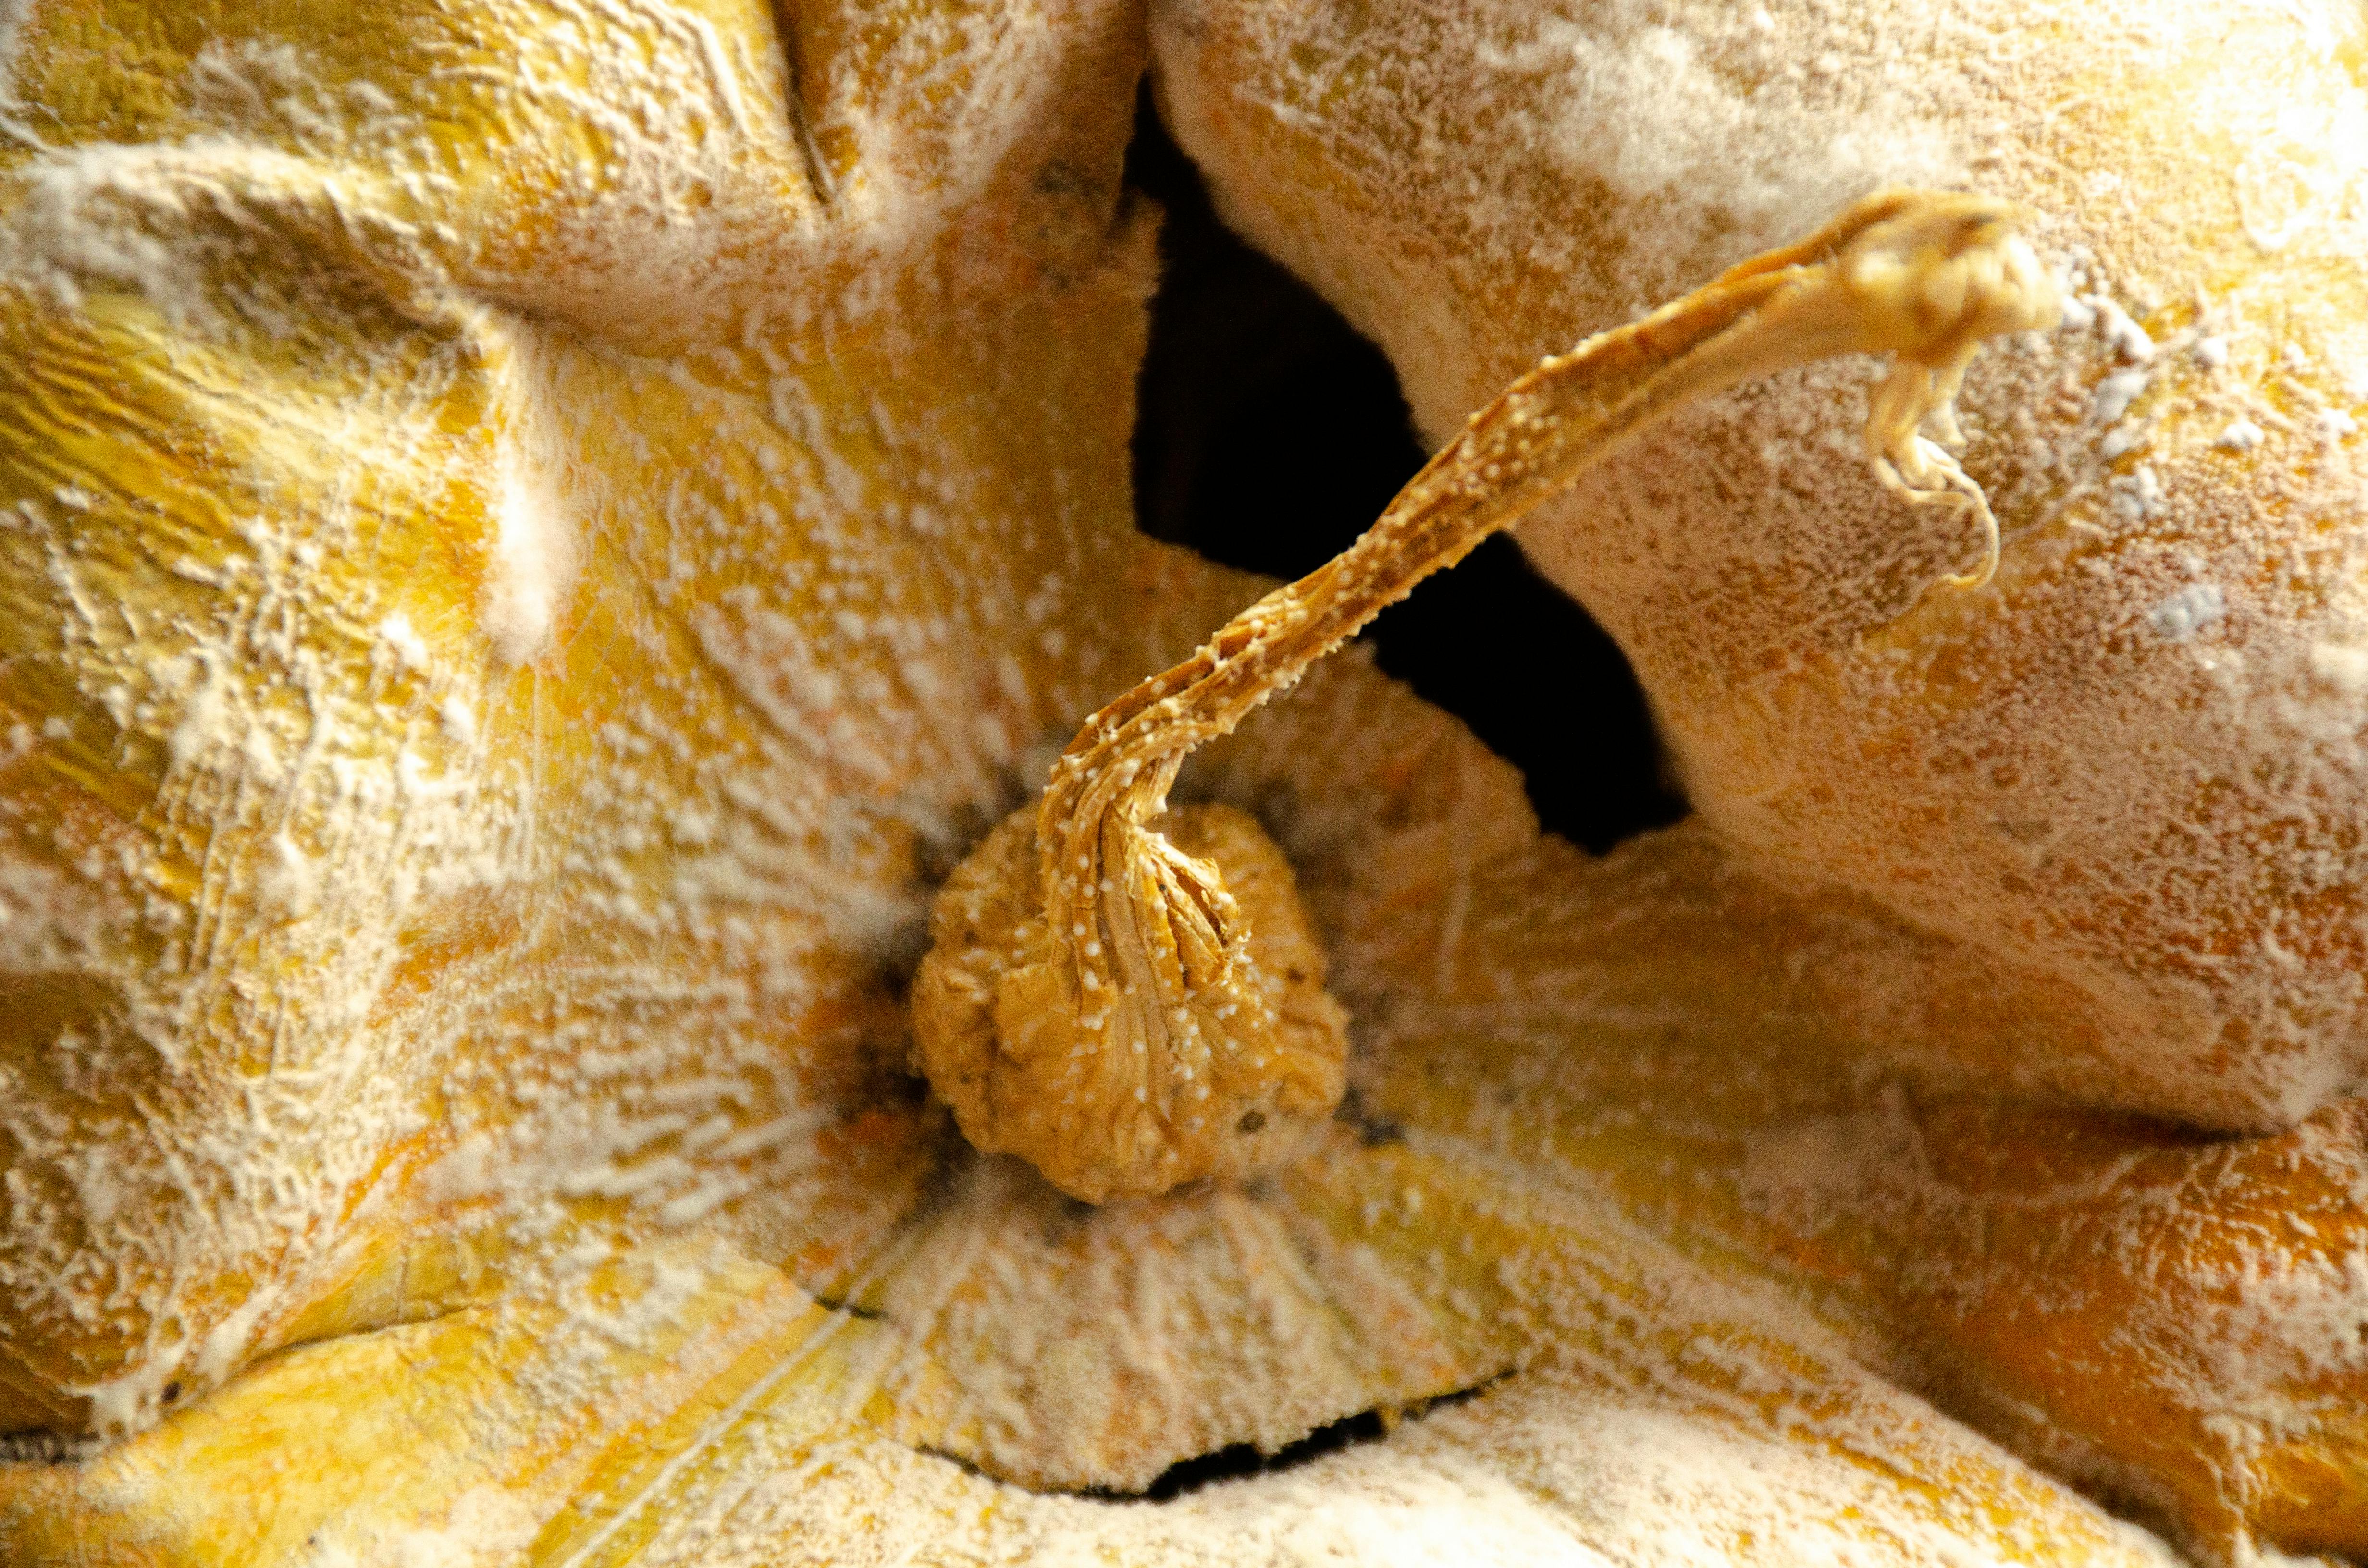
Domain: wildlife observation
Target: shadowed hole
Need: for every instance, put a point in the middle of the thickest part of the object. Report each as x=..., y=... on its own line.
x=1272, y=435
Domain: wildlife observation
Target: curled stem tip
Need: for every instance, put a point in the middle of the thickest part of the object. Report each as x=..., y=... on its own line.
x=1098, y=999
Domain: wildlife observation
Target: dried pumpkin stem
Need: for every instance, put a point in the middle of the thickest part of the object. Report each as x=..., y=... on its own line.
x=1922, y=276
x=1139, y=938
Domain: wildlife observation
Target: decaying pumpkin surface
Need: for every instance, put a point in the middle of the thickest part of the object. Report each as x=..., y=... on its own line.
x=533, y=536
x=1129, y=1012
x=2129, y=776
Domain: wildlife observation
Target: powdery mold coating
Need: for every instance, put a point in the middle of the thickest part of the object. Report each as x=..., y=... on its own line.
x=1067, y=990
x=530, y=538
x=760, y=377
x=2130, y=775
x=527, y=534
x=1209, y=1062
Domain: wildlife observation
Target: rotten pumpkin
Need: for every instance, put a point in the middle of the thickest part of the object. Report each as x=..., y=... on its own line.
x=537, y=536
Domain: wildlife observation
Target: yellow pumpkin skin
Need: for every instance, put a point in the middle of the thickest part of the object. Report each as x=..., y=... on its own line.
x=2128, y=773
x=653, y=486
x=549, y=1070
x=486, y=683
x=2172, y=1322
x=1496, y=968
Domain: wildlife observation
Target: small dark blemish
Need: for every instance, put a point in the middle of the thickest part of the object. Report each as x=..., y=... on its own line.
x=1373, y=1130
x=1058, y=178
x=1251, y=1121
x=851, y=1309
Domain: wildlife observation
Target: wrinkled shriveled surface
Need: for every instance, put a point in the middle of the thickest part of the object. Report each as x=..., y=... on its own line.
x=536, y=533
x=2129, y=773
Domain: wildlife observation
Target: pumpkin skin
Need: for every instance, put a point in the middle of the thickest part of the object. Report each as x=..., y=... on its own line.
x=2180, y=937
x=618, y=1233
x=548, y=802
x=2128, y=775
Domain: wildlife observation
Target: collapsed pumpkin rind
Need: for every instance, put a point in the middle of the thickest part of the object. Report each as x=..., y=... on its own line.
x=2127, y=773
x=685, y=1273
